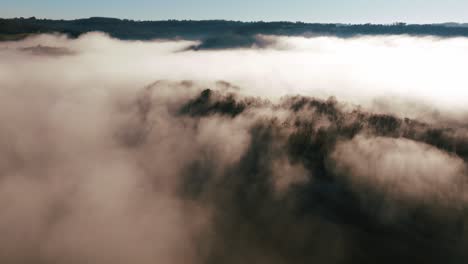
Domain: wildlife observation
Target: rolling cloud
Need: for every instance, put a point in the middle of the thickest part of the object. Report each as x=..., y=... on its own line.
x=300, y=150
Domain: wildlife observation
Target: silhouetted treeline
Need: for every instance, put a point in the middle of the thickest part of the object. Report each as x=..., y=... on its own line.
x=305, y=224
x=217, y=33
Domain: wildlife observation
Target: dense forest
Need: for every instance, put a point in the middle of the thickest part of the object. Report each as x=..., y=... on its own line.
x=214, y=33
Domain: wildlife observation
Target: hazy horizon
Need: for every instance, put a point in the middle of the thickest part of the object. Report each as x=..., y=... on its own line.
x=335, y=11
x=233, y=20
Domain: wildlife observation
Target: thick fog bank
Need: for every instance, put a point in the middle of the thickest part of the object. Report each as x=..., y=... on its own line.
x=303, y=150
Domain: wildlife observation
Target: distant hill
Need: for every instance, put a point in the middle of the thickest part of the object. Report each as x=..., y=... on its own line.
x=452, y=24
x=215, y=33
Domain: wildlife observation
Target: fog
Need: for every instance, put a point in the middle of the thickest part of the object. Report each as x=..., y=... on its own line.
x=317, y=149
x=361, y=70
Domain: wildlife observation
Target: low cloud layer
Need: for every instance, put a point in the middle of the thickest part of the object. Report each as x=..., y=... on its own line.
x=303, y=150
x=420, y=75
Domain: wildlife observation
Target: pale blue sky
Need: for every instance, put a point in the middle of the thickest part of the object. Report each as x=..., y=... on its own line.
x=352, y=11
